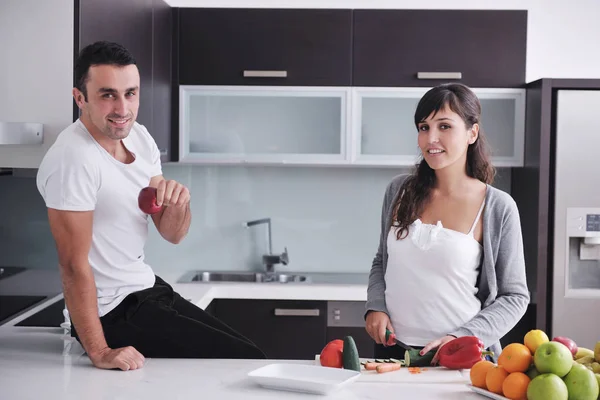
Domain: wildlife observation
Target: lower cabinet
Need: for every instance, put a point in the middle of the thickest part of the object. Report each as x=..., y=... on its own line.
x=282, y=329
x=299, y=329
x=51, y=316
x=294, y=329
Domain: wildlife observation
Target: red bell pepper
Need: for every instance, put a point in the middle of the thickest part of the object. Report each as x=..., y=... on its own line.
x=462, y=353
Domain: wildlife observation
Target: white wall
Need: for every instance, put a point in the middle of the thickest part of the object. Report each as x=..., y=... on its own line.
x=562, y=35
x=36, y=72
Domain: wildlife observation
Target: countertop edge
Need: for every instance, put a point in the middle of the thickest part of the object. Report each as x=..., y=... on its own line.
x=203, y=294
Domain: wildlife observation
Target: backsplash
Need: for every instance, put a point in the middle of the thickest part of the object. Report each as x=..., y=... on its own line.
x=327, y=217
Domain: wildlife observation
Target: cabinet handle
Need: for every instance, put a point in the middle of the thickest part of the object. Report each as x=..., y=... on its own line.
x=282, y=312
x=265, y=74
x=439, y=75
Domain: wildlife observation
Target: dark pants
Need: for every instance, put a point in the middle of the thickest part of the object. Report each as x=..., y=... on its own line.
x=159, y=323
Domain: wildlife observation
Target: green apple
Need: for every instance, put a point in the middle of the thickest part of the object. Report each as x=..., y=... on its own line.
x=581, y=383
x=598, y=378
x=553, y=357
x=547, y=387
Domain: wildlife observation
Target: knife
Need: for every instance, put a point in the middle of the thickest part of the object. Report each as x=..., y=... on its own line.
x=389, y=334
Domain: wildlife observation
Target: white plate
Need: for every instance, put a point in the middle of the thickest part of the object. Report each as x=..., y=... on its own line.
x=487, y=393
x=303, y=378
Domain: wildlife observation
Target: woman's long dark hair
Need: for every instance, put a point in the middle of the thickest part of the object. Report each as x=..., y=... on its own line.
x=417, y=187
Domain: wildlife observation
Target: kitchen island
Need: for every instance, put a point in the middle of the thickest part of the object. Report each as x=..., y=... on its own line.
x=43, y=363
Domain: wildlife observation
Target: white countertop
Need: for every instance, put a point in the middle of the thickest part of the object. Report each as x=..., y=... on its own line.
x=38, y=363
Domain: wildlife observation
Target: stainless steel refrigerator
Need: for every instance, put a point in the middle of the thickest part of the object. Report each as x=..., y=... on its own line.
x=575, y=216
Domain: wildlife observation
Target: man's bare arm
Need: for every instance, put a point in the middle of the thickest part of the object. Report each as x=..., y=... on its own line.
x=173, y=221
x=72, y=231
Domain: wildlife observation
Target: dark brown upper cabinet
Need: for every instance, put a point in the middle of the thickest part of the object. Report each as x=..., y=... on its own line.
x=487, y=48
x=287, y=47
x=144, y=28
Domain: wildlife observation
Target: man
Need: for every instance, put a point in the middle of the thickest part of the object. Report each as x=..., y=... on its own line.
x=90, y=180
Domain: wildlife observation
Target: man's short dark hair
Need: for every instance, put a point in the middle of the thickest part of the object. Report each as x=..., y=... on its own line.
x=99, y=53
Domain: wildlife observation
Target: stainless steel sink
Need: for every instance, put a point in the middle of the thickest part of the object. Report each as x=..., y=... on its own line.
x=255, y=277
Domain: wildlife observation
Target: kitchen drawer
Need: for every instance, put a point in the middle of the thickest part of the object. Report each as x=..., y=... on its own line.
x=287, y=47
x=282, y=329
x=486, y=47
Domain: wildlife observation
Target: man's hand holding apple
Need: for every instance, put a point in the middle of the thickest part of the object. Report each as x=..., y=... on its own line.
x=171, y=193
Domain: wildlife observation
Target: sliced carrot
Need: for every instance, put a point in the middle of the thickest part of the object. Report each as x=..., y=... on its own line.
x=388, y=367
x=372, y=366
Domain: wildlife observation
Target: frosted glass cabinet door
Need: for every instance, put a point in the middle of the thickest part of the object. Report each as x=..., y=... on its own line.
x=384, y=132
x=293, y=125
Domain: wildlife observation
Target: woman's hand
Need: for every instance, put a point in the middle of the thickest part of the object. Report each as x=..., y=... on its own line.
x=438, y=343
x=376, y=324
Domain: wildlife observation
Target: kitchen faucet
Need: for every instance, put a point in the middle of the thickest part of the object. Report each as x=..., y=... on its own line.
x=269, y=260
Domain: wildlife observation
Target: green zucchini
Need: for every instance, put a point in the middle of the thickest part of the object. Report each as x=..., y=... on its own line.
x=412, y=358
x=350, y=358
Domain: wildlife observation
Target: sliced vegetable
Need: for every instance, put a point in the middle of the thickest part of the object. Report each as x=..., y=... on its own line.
x=350, y=354
x=371, y=366
x=388, y=367
x=413, y=358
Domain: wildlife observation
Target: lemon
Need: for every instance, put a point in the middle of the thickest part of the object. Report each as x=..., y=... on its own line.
x=534, y=338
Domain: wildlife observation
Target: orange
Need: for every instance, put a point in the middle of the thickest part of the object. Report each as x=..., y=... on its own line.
x=479, y=371
x=515, y=386
x=534, y=338
x=515, y=357
x=495, y=378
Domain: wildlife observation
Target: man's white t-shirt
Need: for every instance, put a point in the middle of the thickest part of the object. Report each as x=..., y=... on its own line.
x=78, y=174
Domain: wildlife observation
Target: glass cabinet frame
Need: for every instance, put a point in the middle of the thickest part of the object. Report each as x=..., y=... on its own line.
x=347, y=149
x=408, y=156
x=336, y=157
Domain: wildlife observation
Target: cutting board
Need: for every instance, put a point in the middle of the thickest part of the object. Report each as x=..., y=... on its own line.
x=431, y=375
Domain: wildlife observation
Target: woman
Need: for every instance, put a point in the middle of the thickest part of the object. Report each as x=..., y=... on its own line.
x=450, y=260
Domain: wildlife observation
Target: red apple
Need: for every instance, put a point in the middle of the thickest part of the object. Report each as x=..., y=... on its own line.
x=147, y=201
x=567, y=342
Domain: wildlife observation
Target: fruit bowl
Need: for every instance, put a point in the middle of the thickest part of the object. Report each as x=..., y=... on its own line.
x=486, y=393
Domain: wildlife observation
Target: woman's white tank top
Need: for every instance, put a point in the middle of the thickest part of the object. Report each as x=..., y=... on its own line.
x=431, y=279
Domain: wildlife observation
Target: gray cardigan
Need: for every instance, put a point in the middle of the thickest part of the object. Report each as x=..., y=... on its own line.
x=502, y=281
